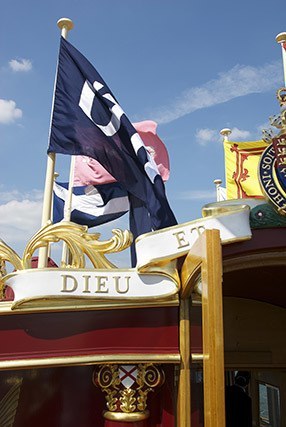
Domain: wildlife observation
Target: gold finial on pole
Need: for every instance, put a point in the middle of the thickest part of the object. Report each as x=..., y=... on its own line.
x=65, y=25
x=281, y=39
x=225, y=132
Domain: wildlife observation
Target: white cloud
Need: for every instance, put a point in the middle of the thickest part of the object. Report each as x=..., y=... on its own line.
x=8, y=196
x=205, y=135
x=198, y=195
x=22, y=65
x=9, y=112
x=239, y=134
x=19, y=220
x=239, y=81
x=20, y=217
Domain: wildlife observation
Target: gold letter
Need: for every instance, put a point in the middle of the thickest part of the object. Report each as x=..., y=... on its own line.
x=181, y=239
x=117, y=287
x=65, y=288
x=101, y=289
x=86, y=285
x=198, y=229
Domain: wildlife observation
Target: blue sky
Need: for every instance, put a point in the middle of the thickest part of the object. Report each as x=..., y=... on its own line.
x=195, y=67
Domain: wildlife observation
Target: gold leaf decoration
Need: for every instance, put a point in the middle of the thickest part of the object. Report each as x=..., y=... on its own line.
x=108, y=379
x=9, y=255
x=79, y=243
x=111, y=400
x=127, y=400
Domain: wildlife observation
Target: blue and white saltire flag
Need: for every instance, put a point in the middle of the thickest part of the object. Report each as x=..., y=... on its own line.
x=87, y=120
x=91, y=205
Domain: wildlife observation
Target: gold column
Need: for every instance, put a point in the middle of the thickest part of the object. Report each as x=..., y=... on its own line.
x=213, y=345
x=184, y=388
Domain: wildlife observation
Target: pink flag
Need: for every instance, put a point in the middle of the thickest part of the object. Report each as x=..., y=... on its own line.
x=89, y=172
x=147, y=131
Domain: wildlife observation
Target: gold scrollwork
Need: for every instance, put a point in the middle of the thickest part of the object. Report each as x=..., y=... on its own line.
x=128, y=403
x=79, y=243
x=150, y=376
x=107, y=376
x=9, y=255
x=108, y=380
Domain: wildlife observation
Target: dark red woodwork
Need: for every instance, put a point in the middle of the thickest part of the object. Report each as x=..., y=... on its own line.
x=196, y=329
x=142, y=330
x=66, y=397
x=262, y=240
x=58, y=397
x=266, y=283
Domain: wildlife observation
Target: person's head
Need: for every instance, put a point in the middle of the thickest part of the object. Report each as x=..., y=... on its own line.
x=242, y=378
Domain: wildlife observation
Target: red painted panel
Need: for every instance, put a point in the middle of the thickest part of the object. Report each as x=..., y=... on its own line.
x=146, y=330
x=253, y=283
x=60, y=397
x=266, y=283
x=196, y=329
x=66, y=397
x=262, y=240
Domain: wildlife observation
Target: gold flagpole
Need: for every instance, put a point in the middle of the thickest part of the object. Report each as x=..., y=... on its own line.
x=281, y=39
x=65, y=25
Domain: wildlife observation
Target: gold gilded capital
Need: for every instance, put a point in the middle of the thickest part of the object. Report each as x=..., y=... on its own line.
x=126, y=388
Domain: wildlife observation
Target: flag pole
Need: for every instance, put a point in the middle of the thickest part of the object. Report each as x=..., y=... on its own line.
x=68, y=208
x=225, y=132
x=65, y=25
x=217, y=183
x=281, y=39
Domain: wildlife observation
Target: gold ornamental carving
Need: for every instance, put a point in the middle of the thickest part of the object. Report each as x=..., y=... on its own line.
x=79, y=243
x=126, y=388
